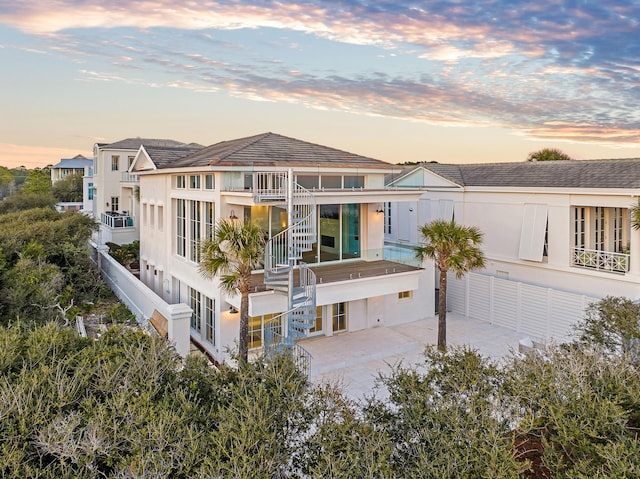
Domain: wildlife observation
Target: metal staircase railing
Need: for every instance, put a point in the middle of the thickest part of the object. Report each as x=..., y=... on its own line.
x=283, y=270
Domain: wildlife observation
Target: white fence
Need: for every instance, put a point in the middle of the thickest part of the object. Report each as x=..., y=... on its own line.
x=543, y=314
x=142, y=301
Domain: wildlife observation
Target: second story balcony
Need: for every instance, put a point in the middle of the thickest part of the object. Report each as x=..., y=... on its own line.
x=116, y=220
x=129, y=177
x=600, y=260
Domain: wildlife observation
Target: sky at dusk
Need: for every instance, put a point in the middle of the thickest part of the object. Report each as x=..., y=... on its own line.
x=446, y=81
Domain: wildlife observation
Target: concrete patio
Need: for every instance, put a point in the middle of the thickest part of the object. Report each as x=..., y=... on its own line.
x=354, y=359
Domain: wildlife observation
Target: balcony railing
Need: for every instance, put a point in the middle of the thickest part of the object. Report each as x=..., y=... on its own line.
x=116, y=220
x=129, y=177
x=600, y=260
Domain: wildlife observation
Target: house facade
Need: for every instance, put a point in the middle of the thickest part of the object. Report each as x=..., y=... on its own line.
x=560, y=225
x=115, y=191
x=78, y=165
x=327, y=204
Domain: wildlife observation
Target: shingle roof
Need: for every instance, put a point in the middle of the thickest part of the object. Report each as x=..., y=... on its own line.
x=610, y=173
x=76, y=162
x=135, y=143
x=164, y=157
x=270, y=149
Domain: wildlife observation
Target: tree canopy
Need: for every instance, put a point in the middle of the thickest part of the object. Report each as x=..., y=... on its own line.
x=548, y=154
x=68, y=189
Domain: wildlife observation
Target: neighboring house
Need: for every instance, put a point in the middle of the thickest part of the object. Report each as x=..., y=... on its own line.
x=78, y=165
x=115, y=190
x=562, y=226
x=332, y=221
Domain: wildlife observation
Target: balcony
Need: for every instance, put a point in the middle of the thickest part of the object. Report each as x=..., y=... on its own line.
x=116, y=220
x=378, y=263
x=600, y=260
x=129, y=178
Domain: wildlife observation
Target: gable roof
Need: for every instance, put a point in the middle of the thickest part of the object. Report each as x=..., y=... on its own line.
x=609, y=173
x=270, y=149
x=164, y=157
x=135, y=143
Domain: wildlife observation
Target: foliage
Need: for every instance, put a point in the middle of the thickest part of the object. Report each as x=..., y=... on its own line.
x=454, y=248
x=634, y=213
x=548, y=154
x=613, y=323
x=26, y=201
x=124, y=406
x=234, y=251
x=442, y=418
x=68, y=189
x=126, y=254
x=31, y=288
x=46, y=261
x=38, y=181
x=583, y=404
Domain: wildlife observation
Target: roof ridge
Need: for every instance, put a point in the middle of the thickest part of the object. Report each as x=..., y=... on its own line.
x=253, y=139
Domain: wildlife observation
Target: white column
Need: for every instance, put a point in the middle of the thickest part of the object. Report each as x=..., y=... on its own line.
x=179, y=327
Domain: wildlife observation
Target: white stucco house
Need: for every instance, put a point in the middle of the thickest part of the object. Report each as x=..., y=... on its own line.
x=560, y=229
x=115, y=191
x=323, y=207
x=78, y=165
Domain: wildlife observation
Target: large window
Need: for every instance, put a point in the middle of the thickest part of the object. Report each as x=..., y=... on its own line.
x=115, y=203
x=196, y=304
x=209, y=219
x=339, y=235
x=90, y=191
x=339, y=317
x=317, y=327
x=601, y=228
x=194, y=231
x=387, y=218
x=181, y=227
x=210, y=320
x=257, y=325
x=190, y=227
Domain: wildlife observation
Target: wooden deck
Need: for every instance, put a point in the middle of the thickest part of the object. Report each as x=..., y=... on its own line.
x=332, y=273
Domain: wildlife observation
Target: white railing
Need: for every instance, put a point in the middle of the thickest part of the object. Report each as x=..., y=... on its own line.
x=600, y=260
x=269, y=186
x=116, y=220
x=129, y=177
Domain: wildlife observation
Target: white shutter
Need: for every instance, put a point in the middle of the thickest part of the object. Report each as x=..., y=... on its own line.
x=534, y=226
x=445, y=210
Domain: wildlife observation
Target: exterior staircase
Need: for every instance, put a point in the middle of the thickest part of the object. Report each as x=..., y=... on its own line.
x=284, y=272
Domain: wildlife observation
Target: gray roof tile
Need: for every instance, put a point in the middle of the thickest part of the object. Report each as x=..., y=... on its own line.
x=609, y=173
x=270, y=150
x=166, y=157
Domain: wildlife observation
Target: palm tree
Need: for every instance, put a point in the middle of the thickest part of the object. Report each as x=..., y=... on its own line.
x=233, y=252
x=453, y=247
x=634, y=212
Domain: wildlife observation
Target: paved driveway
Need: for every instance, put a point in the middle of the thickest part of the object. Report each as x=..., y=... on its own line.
x=354, y=359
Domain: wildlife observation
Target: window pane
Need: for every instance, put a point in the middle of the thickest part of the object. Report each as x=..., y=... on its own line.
x=351, y=181
x=332, y=181
x=307, y=181
x=329, y=232
x=208, y=182
x=350, y=231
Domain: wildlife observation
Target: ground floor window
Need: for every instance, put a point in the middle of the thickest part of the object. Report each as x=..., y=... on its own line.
x=405, y=295
x=257, y=326
x=339, y=317
x=196, y=301
x=210, y=320
x=317, y=328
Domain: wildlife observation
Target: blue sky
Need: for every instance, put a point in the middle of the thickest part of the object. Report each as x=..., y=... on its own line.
x=454, y=81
